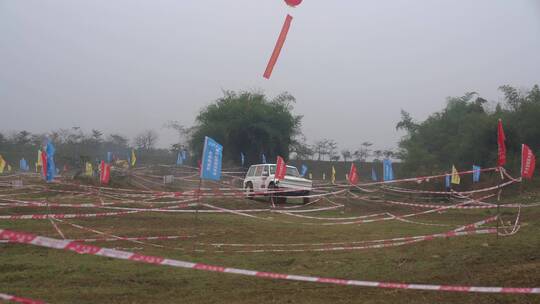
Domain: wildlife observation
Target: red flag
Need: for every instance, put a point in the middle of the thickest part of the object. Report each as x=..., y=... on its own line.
x=502, y=146
x=105, y=175
x=353, y=175
x=528, y=162
x=281, y=168
x=44, y=163
x=277, y=48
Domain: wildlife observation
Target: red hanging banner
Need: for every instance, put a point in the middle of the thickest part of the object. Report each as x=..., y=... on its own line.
x=353, y=175
x=105, y=173
x=44, y=163
x=502, y=146
x=528, y=162
x=277, y=48
x=281, y=168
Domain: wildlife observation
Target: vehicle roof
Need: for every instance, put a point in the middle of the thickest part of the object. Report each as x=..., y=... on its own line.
x=271, y=165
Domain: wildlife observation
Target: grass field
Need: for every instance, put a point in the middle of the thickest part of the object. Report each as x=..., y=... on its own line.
x=65, y=277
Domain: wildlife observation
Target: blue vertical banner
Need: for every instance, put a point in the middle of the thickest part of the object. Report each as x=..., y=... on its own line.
x=304, y=170
x=263, y=158
x=373, y=174
x=476, y=174
x=23, y=164
x=242, y=158
x=184, y=155
x=51, y=168
x=211, y=159
x=109, y=157
x=179, y=159
x=387, y=170
x=447, y=181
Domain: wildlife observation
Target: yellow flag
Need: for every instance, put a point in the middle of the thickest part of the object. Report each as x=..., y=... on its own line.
x=37, y=165
x=2, y=164
x=89, y=169
x=133, y=158
x=39, y=158
x=333, y=175
x=8, y=168
x=455, y=176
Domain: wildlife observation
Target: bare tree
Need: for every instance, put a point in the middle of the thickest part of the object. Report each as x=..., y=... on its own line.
x=146, y=140
x=347, y=154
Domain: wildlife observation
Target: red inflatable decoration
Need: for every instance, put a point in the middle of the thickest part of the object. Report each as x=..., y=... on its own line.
x=293, y=3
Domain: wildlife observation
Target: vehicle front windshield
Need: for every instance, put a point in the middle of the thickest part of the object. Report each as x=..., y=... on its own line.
x=291, y=171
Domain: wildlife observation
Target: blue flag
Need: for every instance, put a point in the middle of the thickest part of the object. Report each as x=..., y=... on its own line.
x=211, y=160
x=184, y=155
x=476, y=174
x=242, y=158
x=263, y=157
x=179, y=159
x=109, y=157
x=304, y=170
x=447, y=181
x=23, y=165
x=51, y=168
x=373, y=175
x=387, y=170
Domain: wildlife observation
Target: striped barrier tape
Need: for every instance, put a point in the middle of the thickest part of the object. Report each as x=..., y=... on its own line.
x=27, y=238
x=11, y=298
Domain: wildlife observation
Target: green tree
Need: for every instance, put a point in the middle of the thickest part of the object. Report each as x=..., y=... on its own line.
x=250, y=123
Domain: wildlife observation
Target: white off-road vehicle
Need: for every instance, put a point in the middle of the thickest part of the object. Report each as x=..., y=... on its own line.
x=260, y=179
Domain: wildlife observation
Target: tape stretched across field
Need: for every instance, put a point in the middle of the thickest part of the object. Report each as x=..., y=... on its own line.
x=26, y=238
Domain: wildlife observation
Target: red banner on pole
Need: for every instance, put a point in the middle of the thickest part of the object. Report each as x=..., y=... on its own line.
x=528, y=162
x=44, y=163
x=502, y=146
x=105, y=175
x=277, y=48
x=281, y=168
x=353, y=175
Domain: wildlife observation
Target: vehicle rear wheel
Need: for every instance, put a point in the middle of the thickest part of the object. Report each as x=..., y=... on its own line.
x=249, y=191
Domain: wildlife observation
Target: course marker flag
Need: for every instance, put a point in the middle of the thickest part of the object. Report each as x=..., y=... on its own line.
x=304, y=170
x=333, y=178
x=501, y=138
x=476, y=173
x=528, y=162
x=387, y=170
x=456, y=180
x=242, y=158
x=2, y=164
x=211, y=159
x=105, y=174
x=373, y=175
x=179, y=159
x=353, y=175
x=278, y=47
x=51, y=168
x=263, y=158
x=133, y=158
x=281, y=168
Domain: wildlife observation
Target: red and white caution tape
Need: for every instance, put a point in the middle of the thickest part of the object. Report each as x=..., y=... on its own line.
x=16, y=299
x=26, y=238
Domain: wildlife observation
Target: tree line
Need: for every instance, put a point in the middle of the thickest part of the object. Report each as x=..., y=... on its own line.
x=465, y=132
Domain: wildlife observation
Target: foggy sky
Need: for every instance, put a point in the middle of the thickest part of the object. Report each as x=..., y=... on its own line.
x=126, y=66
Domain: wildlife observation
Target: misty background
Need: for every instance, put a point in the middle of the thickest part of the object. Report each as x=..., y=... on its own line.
x=127, y=66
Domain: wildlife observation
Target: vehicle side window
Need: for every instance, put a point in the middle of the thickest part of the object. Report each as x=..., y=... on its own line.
x=258, y=171
x=251, y=171
x=273, y=169
x=265, y=171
